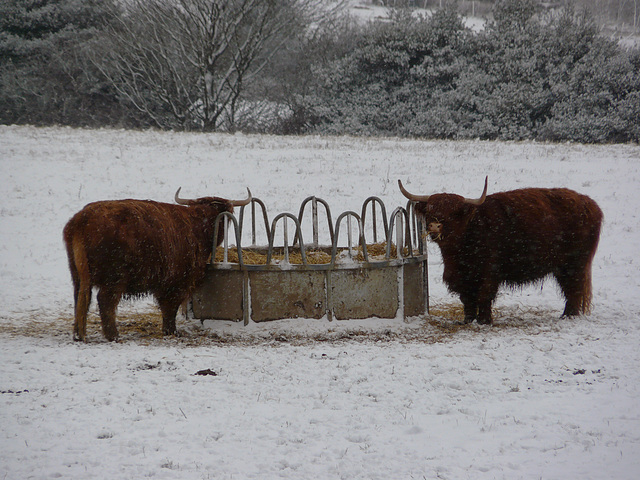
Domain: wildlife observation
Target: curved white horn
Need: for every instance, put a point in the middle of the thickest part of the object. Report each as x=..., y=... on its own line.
x=241, y=203
x=179, y=200
x=483, y=197
x=410, y=196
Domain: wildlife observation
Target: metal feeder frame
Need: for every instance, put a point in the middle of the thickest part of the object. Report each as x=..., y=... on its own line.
x=395, y=287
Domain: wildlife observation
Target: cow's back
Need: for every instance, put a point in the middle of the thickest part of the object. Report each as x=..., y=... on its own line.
x=528, y=232
x=139, y=245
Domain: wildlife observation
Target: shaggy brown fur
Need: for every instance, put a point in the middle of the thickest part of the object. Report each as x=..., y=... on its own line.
x=514, y=238
x=136, y=247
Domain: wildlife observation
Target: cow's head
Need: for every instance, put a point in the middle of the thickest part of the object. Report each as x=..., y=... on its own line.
x=444, y=214
x=213, y=201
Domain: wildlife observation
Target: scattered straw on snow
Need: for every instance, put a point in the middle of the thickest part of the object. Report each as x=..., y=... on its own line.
x=442, y=325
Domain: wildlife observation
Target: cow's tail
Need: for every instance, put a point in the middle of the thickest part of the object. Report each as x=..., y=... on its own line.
x=587, y=289
x=587, y=292
x=597, y=219
x=79, y=267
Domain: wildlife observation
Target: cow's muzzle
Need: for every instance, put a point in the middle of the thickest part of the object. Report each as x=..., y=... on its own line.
x=434, y=229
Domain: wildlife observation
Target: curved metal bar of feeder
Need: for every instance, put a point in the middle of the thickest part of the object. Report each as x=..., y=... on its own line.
x=327, y=211
x=410, y=231
x=298, y=234
x=410, y=205
x=253, y=218
x=238, y=236
x=417, y=225
x=411, y=208
x=405, y=216
x=385, y=224
x=409, y=243
x=363, y=243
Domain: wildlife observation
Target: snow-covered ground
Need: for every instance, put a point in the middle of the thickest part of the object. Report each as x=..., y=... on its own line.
x=531, y=397
x=367, y=11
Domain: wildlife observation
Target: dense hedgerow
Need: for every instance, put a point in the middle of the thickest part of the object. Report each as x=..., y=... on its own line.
x=526, y=75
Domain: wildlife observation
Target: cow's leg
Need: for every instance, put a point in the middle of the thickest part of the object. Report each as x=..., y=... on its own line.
x=470, y=305
x=184, y=308
x=169, y=308
x=108, y=300
x=487, y=295
x=484, y=313
x=575, y=284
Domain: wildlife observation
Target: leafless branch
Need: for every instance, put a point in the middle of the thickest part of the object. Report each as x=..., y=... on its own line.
x=185, y=62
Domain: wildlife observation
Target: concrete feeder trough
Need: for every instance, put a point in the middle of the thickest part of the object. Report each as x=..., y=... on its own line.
x=309, y=280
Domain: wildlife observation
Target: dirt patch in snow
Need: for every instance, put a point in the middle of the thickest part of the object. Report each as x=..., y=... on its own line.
x=443, y=324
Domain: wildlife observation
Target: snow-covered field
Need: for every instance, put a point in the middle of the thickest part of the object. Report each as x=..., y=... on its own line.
x=367, y=11
x=531, y=397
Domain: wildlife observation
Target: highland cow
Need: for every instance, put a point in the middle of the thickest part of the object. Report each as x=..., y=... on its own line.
x=513, y=238
x=131, y=248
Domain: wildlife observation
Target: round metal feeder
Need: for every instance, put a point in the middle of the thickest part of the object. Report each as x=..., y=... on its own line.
x=348, y=284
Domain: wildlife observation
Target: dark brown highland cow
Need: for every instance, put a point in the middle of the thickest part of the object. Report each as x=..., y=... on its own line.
x=513, y=238
x=132, y=248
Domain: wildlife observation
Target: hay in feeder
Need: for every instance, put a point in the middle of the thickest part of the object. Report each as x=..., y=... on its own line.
x=378, y=252
x=375, y=251
x=251, y=257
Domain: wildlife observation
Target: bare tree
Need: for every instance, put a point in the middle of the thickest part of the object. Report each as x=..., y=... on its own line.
x=184, y=63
